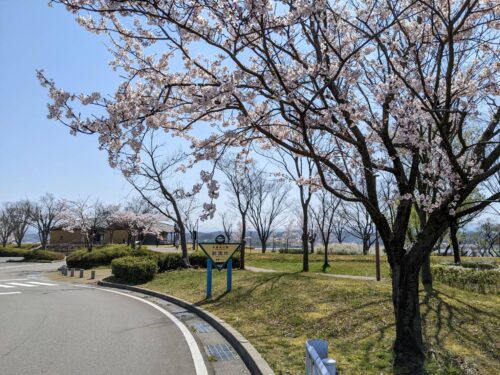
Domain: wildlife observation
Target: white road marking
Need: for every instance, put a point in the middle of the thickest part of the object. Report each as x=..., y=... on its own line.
x=22, y=284
x=1, y=281
x=8, y=293
x=39, y=283
x=6, y=286
x=199, y=363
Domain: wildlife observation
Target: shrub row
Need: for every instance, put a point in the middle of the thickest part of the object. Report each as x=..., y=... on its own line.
x=290, y=251
x=134, y=269
x=12, y=252
x=479, y=265
x=477, y=280
x=171, y=261
x=43, y=255
x=31, y=254
x=97, y=257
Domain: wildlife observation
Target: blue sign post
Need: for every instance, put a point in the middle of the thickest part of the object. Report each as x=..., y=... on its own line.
x=209, y=278
x=229, y=281
x=219, y=255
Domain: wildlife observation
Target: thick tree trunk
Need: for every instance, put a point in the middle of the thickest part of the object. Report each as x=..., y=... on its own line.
x=426, y=274
x=264, y=247
x=454, y=242
x=408, y=347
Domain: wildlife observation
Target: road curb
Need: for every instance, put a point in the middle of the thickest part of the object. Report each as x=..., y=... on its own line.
x=250, y=356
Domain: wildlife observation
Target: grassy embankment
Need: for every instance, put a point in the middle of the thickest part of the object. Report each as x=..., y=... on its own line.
x=277, y=312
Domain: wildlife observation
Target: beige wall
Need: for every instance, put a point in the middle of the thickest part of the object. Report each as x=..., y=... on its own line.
x=119, y=236
x=59, y=236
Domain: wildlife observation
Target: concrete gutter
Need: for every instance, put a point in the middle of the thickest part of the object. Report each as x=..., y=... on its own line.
x=250, y=356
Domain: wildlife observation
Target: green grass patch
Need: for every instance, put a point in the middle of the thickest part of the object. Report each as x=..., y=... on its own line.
x=358, y=265
x=277, y=312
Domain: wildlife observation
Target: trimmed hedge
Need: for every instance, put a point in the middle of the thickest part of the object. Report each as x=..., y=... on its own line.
x=477, y=280
x=97, y=257
x=169, y=261
x=43, y=255
x=12, y=252
x=479, y=265
x=134, y=269
x=31, y=254
x=290, y=251
x=199, y=259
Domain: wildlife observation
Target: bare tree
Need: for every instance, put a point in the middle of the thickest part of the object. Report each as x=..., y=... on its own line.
x=268, y=203
x=324, y=214
x=360, y=225
x=486, y=238
x=189, y=207
x=228, y=221
x=240, y=177
x=299, y=171
x=45, y=214
x=21, y=216
x=6, y=223
x=155, y=181
x=339, y=227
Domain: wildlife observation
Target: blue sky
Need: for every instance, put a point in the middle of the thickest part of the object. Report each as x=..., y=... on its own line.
x=38, y=155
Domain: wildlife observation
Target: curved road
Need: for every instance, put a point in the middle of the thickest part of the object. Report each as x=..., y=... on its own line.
x=66, y=329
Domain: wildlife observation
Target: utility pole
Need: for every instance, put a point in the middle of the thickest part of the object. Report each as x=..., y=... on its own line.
x=377, y=256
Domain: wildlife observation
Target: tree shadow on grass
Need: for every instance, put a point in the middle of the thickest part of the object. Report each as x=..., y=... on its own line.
x=460, y=322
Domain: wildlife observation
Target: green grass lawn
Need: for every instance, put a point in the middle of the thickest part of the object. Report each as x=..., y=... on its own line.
x=277, y=312
x=339, y=264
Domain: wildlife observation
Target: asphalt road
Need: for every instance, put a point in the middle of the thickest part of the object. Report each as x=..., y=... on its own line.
x=55, y=328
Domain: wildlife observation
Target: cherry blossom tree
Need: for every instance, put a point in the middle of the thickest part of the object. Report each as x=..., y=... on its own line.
x=45, y=214
x=137, y=224
x=364, y=89
x=90, y=218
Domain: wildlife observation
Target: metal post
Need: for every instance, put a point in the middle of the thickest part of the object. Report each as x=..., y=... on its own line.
x=81, y=274
x=229, y=275
x=72, y=272
x=92, y=274
x=377, y=256
x=209, y=278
